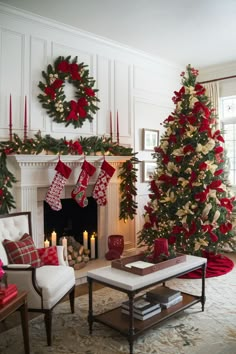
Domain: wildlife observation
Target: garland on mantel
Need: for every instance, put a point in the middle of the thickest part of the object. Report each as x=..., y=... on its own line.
x=88, y=146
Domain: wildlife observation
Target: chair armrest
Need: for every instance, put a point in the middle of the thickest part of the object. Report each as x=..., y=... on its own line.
x=24, y=276
x=17, y=266
x=62, y=257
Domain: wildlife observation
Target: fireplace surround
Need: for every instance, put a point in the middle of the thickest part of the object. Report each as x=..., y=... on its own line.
x=34, y=174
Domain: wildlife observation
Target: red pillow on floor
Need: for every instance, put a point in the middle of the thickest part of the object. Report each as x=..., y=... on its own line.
x=48, y=255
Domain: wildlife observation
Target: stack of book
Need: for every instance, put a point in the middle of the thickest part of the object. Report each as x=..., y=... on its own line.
x=167, y=297
x=142, y=308
x=7, y=294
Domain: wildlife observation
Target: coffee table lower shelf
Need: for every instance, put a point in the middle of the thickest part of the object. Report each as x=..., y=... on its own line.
x=117, y=320
x=122, y=281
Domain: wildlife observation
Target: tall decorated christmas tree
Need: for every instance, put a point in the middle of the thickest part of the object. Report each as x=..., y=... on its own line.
x=190, y=204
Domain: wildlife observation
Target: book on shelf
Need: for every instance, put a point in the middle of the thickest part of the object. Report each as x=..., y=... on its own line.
x=141, y=305
x=162, y=294
x=166, y=305
x=144, y=317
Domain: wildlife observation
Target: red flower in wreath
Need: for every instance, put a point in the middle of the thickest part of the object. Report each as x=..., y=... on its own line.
x=89, y=91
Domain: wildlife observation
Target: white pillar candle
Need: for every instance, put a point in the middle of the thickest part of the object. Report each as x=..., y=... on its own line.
x=92, y=246
x=46, y=243
x=64, y=244
x=85, y=239
x=54, y=238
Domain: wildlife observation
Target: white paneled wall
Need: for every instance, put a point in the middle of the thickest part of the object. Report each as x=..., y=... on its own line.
x=140, y=87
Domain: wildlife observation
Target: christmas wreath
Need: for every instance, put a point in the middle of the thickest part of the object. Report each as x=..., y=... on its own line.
x=53, y=98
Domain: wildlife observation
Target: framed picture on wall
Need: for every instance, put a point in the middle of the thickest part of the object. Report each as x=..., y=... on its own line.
x=148, y=170
x=150, y=139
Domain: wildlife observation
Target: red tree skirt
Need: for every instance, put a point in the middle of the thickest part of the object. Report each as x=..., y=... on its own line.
x=216, y=265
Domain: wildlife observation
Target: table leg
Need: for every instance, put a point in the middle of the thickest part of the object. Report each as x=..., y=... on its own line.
x=25, y=329
x=203, y=297
x=131, y=322
x=90, y=313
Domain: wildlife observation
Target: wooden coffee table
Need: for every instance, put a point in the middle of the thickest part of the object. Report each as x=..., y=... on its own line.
x=132, y=284
x=18, y=303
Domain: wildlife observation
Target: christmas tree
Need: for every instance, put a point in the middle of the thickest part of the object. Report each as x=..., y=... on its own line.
x=189, y=204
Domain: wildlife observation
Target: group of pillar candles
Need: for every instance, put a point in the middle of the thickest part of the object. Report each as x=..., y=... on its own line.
x=64, y=242
x=92, y=243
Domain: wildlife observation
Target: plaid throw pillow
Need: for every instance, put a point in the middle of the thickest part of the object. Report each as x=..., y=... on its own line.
x=48, y=255
x=22, y=251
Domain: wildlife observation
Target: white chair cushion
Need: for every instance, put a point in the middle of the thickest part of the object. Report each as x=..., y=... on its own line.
x=55, y=281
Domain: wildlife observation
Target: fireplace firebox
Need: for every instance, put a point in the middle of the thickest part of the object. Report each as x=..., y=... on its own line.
x=71, y=220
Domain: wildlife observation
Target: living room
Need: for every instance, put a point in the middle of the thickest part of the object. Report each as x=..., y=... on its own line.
x=135, y=79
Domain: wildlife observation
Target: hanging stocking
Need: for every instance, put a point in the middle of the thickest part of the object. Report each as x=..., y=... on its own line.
x=79, y=192
x=99, y=192
x=59, y=180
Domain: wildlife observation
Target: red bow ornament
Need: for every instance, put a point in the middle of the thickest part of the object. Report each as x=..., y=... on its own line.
x=77, y=109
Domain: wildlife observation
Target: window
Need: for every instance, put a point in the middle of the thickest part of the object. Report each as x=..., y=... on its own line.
x=228, y=127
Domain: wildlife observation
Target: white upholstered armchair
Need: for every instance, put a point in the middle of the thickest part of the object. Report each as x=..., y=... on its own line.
x=46, y=285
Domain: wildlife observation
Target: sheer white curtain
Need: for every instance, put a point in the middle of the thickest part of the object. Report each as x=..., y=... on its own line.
x=212, y=91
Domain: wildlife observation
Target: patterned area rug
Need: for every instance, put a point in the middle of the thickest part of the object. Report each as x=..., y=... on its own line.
x=210, y=332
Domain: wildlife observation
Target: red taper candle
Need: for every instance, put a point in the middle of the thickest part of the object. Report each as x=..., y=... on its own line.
x=117, y=128
x=25, y=120
x=10, y=120
x=111, y=125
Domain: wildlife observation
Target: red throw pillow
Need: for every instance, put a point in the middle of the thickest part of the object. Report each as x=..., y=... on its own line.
x=22, y=251
x=48, y=255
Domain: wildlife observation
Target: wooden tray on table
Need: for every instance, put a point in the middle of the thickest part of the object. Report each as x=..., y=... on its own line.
x=138, y=265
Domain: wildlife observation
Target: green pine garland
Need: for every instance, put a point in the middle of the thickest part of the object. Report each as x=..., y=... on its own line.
x=87, y=146
x=6, y=182
x=128, y=205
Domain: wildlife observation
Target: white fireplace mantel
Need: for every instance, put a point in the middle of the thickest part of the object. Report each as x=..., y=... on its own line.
x=34, y=174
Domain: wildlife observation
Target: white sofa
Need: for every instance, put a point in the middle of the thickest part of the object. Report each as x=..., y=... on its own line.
x=46, y=285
